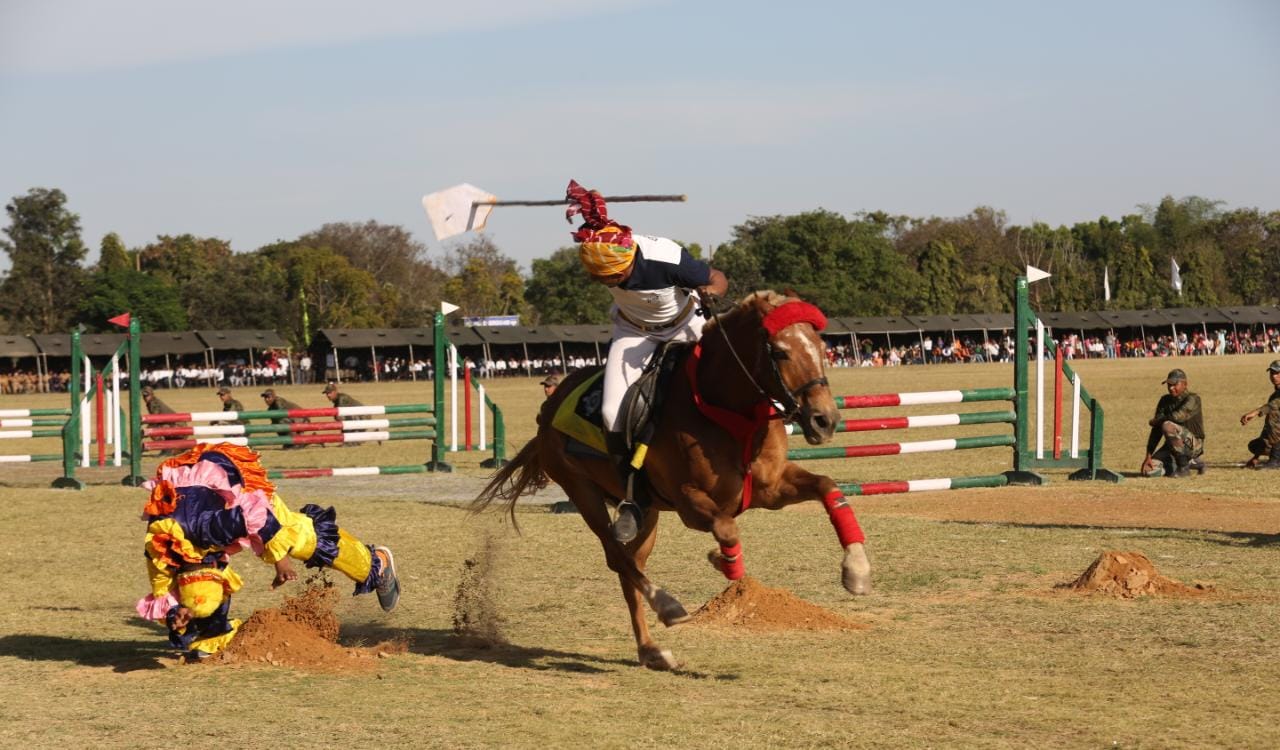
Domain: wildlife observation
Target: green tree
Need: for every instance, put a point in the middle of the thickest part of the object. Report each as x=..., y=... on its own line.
x=45, y=251
x=409, y=283
x=145, y=297
x=742, y=269
x=252, y=291
x=940, y=277
x=845, y=267
x=112, y=255
x=483, y=281
x=187, y=263
x=559, y=292
x=336, y=294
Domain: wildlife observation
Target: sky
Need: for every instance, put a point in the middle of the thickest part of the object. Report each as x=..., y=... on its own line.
x=258, y=121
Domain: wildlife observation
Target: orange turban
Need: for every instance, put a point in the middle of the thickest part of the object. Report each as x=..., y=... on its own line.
x=605, y=246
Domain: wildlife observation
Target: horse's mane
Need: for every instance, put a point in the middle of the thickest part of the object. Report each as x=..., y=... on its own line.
x=758, y=302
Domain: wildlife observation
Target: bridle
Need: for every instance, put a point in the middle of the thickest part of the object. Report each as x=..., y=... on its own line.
x=788, y=404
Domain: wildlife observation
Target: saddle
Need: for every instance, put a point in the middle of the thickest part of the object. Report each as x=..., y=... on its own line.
x=579, y=416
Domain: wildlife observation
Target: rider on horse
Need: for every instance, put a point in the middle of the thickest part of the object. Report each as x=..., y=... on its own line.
x=650, y=279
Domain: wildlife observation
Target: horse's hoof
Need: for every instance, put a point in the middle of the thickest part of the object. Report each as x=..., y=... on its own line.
x=670, y=610
x=856, y=570
x=659, y=659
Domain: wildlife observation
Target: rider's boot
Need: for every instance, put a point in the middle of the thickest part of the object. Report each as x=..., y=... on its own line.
x=627, y=523
x=1274, y=461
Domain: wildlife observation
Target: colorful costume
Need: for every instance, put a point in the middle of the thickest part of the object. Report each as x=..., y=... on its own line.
x=212, y=502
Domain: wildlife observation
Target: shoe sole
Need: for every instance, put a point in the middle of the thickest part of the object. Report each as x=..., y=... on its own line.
x=391, y=597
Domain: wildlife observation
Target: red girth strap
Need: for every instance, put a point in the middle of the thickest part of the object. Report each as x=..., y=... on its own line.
x=743, y=429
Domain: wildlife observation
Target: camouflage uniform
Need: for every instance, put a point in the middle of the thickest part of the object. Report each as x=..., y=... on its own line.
x=1267, y=444
x=339, y=400
x=230, y=404
x=1185, y=413
x=280, y=403
x=156, y=406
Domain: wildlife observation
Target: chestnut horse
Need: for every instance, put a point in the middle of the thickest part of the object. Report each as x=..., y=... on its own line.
x=719, y=447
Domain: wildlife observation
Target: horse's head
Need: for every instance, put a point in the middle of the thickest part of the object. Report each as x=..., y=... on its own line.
x=788, y=359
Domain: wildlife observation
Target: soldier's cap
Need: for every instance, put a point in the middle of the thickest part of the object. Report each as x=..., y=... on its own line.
x=552, y=379
x=330, y=388
x=224, y=391
x=1175, y=376
x=269, y=392
x=147, y=390
x=1274, y=366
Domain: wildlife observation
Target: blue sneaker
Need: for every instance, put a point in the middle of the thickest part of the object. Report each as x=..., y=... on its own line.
x=388, y=583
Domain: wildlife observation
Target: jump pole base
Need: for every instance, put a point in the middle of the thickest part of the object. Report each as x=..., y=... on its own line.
x=1025, y=478
x=67, y=483
x=494, y=463
x=440, y=466
x=562, y=506
x=132, y=480
x=1105, y=475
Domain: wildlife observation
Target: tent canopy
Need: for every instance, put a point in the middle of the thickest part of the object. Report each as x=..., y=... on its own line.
x=1251, y=315
x=17, y=346
x=517, y=334
x=159, y=344
x=891, y=324
x=583, y=334
x=364, y=338
x=242, y=339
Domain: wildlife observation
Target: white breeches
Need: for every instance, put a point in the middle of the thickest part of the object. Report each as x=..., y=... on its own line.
x=628, y=354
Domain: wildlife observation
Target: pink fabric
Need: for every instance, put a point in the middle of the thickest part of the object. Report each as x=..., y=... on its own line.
x=151, y=608
x=200, y=474
x=256, y=506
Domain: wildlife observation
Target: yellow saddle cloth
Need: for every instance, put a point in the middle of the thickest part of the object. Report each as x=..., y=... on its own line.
x=579, y=415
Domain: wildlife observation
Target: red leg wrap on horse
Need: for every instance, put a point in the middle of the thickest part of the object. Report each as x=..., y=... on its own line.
x=847, y=529
x=732, y=565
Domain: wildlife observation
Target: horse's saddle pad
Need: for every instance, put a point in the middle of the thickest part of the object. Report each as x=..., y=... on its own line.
x=579, y=415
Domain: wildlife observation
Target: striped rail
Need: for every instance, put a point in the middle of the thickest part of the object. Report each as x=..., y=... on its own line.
x=28, y=418
x=920, y=398
x=343, y=425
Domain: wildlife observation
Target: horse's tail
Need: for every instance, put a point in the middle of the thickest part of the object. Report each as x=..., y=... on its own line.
x=519, y=476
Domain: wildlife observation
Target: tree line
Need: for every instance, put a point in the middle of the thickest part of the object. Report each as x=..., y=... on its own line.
x=372, y=275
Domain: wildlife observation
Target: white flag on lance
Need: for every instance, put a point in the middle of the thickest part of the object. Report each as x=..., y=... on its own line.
x=1175, y=276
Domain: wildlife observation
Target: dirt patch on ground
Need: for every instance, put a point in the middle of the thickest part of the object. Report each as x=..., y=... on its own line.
x=1093, y=504
x=475, y=613
x=750, y=605
x=1126, y=575
x=302, y=634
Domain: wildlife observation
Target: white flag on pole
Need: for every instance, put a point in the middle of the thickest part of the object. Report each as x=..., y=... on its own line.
x=1175, y=278
x=1106, y=283
x=454, y=211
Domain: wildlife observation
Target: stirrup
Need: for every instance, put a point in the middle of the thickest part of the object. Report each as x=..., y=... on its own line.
x=626, y=525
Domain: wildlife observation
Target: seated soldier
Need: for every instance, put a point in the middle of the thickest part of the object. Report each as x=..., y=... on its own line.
x=1265, y=449
x=1180, y=422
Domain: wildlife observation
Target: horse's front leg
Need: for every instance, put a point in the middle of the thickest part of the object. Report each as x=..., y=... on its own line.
x=794, y=485
x=704, y=514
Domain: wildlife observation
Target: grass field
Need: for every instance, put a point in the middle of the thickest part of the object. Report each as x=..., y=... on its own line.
x=969, y=642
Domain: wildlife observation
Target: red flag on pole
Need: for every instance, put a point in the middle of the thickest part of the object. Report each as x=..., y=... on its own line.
x=121, y=320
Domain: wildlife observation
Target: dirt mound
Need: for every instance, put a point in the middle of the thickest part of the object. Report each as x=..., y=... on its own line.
x=475, y=612
x=750, y=605
x=303, y=634
x=1126, y=575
